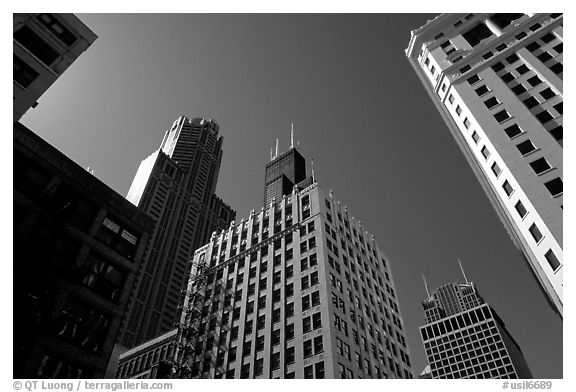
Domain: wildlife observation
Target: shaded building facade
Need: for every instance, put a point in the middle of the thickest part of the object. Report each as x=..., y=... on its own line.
x=497, y=81
x=45, y=45
x=282, y=173
x=297, y=290
x=176, y=186
x=77, y=248
x=465, y=338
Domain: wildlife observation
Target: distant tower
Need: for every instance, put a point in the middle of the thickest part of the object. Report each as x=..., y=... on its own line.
x=45, y=45
x=464, y=337
x=283, y=172
x=175, y=185
x=497, y=81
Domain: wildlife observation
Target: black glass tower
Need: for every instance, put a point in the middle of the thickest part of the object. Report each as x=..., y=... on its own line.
x=282, y=173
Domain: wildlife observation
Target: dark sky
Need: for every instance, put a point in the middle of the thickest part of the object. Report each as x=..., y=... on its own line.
x=358, y=110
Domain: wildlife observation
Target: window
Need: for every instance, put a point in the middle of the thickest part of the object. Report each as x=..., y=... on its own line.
x=522, y=69
x=485, y=152
x=557, y=68
x=547, y=38
x=555, y=186
x=540, y=165
x=501, y=47
x=458, y=110
x=520, y=209
x=56, y=28
x=520, y=35
x=526, y=147
x=23, y=74
x=519, y=89
x=487, y=55
x=534, y=81
x=531, y=102
x=544, y=116
x=557, y=132
x=552, y=260
x=490, y=103
x=547, y=93
x=482, y=90
x=559, y=48
x=475, y=137
x=451, y=98
x=476, y=34
x=498, y=67
x=473, y=79
x=513, y=131
x=507, y=188
x=465, y=68
x=535, y=26
x=496, y=169
x=544, y=56
x=507, y=77
x=502, y=116
x=533, y=46
x=36, y=45
x=536, y=234
x=559, y=108
x=512, y=58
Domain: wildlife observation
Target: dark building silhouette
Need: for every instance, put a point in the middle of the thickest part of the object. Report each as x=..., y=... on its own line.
x=45, y=45
x=176, y=186
x=465, y=338
x=282, y=173
x=77, y=248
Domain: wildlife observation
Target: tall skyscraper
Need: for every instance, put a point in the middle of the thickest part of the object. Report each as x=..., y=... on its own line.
x=77, y=248
x=497, y=81
x=464, y=337
x=282, y=173
x=297, y=290
x=45, y=45
x=176, y=186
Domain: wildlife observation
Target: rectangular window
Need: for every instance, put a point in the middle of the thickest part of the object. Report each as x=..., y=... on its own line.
x=552, y=260
x=507, y=77
x=536, y=234
x=36, y=45
x=520, y=209
x=547, y=93
x=513, y=131
x=507, y=188
x=451, y=98
x=544, y=116
x=481, y=90
x=557, y=132
x=526, y=147
x=458, y=110
x=485, y=152
x=496, y=169
x=502, y=116
x=491, y=102
x=473, y=79
x=56, y=28
x=23, y=74
x=519, y=89
x=534, y=81
x=555, y=187
x=475, y=137
x=540, y=165
x=530, y=102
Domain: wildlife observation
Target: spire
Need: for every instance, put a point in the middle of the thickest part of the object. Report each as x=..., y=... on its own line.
x=291, y=135
x=276, y=156
x=426, y=285
x=271, y=156
x=462, y=269
x=312, y=164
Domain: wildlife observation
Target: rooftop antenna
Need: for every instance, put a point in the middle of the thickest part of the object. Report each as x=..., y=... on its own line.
x=426, y=285
x=271, y=156
x=463, y=273
x=313, y=178
x=276, y=156
x=291, y=135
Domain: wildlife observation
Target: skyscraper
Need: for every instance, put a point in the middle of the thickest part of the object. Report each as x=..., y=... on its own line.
x=497, y=81
x=297, y=290
x=176, y=186
x=45, y=45
x=282, y=173
x=464, y=337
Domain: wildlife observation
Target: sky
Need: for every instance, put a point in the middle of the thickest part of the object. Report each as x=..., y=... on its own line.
x=359, y=111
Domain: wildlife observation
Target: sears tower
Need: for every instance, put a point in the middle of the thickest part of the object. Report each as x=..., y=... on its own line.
x=176, y=186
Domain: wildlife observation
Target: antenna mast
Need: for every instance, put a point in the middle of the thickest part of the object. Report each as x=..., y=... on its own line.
x=463, y=273
x=426, y=285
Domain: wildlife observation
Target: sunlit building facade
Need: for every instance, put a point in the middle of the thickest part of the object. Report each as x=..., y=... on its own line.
x=496, y=79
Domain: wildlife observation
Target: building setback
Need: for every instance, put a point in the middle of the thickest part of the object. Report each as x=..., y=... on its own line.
x=297, y=290
x=497, y=81
x=464, y=337
x=149, y=360
x=176, y=186
x=45, y=45
x=77, y=249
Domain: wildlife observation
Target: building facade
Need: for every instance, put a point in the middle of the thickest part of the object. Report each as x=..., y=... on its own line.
x=464, y=337
x=45, y=45
x=152, y=359
x=496, y=79
x=297, y=290
x=77, y=248
x=176, y=186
